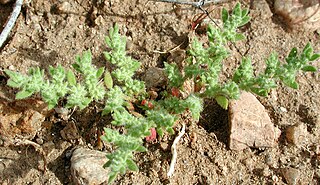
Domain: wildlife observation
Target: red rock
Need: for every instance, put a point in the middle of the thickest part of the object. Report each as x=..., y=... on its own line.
x=250, y=125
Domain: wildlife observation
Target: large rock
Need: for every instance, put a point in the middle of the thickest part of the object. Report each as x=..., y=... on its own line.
x=87, y=167
x=298, y=14
x=250, y=125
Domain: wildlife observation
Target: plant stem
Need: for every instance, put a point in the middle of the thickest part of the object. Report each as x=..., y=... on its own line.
x=174, y=151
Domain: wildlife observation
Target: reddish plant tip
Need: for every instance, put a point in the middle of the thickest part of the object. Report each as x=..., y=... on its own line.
x=152, y=136
x=144, y=102
x=175, y=92
x=150, y=105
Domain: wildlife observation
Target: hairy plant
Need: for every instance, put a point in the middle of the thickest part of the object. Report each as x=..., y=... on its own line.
x=120, y=90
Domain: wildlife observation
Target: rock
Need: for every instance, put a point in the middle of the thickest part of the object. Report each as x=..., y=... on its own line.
x=263, y=7
x=291, y=175
x=87, y=167
x=63, y=8
x=298, y=14
x=297, y=134
x=155, y=77
x=70, y=132
x=250, y=125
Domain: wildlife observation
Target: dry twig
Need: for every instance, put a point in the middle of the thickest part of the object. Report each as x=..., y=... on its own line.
x=14, y=15
x=174, y=151
x=195, y=4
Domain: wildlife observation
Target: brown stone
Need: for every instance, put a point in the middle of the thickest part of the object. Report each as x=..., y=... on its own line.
x=297, y=134
x=250, y=125
x=299, y=14
x=291, y=175
x=87, y=167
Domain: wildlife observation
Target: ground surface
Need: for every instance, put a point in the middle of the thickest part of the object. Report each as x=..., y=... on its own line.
x=48, y=33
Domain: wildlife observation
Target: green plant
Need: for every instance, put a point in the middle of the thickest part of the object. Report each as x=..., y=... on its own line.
x=204, y=65
x=120, y=90
x=61, y=83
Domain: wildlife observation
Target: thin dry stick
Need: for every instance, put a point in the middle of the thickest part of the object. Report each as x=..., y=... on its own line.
x=174, y=151
x=195, y=4
x=14, y=15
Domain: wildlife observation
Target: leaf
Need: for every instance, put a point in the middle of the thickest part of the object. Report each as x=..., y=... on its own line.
x=160, y=132
x=76, y=66
x=244, y=21
x=308, y=50
x=224, y=15
x=293, y=53
x=107, y=164
x=100, y=72
x=141, y=149
x=237, y=10
x=244, y=12
x=86, y=57
x=314, y=57
x=239, y=36
x=170, y=130
x=222, y=101
x=108, y=80
x=51, y=105
x=71, y=78
x=132, y=165
x=23, y=94
x=14, y=84
x=309, y=68
x=112, y=177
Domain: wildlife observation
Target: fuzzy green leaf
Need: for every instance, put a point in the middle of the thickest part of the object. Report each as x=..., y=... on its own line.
x=132, y=165
x=224, y=15
x=100, y=72
x=71, y=78
x=309, y=68
x=222, y=101
x=23, y=94
x=314, y=57
x=108, y=82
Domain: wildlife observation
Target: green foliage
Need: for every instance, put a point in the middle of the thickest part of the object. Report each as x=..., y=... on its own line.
x=126, y=66
x=203, y=69
x=62, y=83
x=205, y=64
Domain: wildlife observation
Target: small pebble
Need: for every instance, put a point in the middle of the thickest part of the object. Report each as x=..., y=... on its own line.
x=64, y=7
x=12, y=68
x=282, y=109
x=297, y=134
x=291, y=175
x=266, y=172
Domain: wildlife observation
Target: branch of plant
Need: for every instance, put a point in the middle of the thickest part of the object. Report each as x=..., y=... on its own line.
x=174, y=151
x=13, y=18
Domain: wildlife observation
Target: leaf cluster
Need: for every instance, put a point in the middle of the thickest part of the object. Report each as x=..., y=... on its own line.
x=61, y=83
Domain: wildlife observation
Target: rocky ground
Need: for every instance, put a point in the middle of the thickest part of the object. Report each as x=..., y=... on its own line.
x=38, y=146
